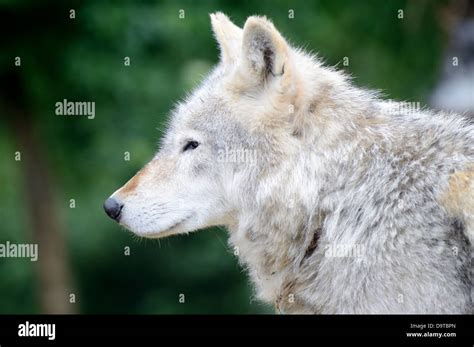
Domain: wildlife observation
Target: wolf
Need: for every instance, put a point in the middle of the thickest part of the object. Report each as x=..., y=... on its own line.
x=348, y=204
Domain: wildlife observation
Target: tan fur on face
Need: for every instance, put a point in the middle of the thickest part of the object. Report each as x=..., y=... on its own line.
x=155, y=170
x=132, y=184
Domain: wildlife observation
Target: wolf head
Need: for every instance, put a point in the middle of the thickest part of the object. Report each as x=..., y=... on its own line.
x=226, y=137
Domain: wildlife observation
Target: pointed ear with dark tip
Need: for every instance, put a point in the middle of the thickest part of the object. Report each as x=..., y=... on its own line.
x=264, y=50
x=228, y=35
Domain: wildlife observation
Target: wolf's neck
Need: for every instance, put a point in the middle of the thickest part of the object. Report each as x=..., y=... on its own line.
x=278, y=231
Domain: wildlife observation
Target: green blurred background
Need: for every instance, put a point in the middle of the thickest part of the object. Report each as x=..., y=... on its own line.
x=72, y=157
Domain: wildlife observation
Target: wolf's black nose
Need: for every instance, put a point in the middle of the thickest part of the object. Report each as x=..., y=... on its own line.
x=113, y=208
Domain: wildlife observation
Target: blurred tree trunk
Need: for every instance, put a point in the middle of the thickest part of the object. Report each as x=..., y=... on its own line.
x=52, y=266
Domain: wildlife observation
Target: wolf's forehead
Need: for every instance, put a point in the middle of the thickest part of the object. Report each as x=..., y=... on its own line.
x=201, y=99
x=205, y=103
x=212, y=118
x=208, y=111
x=200, y=108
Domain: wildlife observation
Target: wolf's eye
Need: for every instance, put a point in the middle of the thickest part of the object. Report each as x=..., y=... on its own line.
x=190, y=145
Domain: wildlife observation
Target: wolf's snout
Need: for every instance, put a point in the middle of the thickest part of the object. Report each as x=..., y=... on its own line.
x=113, y=208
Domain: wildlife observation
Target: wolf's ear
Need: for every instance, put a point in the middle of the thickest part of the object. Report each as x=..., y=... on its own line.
x=264, y=50
x=228, y=35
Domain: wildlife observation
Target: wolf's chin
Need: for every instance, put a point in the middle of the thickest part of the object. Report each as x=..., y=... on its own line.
x=172, y=229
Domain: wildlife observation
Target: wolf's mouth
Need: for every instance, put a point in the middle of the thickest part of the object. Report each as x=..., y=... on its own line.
x=163, y=232
x=170, y=229
x=178, y=223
